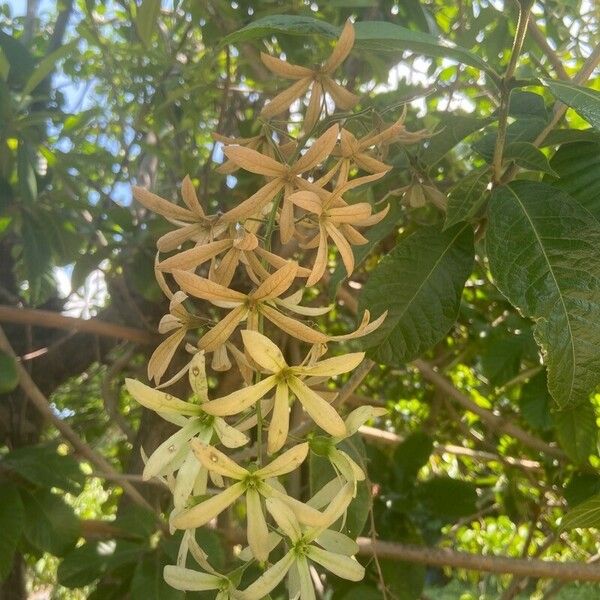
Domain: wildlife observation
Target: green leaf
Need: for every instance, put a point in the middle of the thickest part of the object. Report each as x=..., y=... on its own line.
x=535, y=403
x=454, y=129
x=569, y=136
x=50, y=523
x=527, y=156
x=420, y=285
x=84, y=564
x=12, y=519
x=448, y=499
x=578, y=168
x=44, y=467
x=146, y=19
x=9, y=377
x=542, y=249
x=148, y=582
x=372, y=35
x=584, y=101
x=375, y=234
x=403, y=579
x=466, y=197
x=47, y=65
x=410, y=456
x=4, y=66
x=577, y=432
x=586, y=514
x=581, y=487
x=26, y=173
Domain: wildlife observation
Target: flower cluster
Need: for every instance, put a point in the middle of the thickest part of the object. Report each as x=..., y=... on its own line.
x=253, y=299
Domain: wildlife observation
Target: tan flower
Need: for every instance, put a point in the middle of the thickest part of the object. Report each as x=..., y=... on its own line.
x=336, y=220
x=243, y=248
x=318, y=80
x=193, y=224
x=288, y=383
x=282, y=177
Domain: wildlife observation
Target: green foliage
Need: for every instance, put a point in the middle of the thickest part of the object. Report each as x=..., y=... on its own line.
x=584, y=100
x=11, y=521
x=9, y=377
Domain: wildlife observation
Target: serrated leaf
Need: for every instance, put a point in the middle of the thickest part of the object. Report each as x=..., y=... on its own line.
x=11, y=525
x=372, y=35
x=50, y=523
x=46, y=66
x=466, y=197
x=146, y=19
x=420, y=284
x=585, y=101
x=578, y=168
x=527, y=156
x=586, y=514
x=577, y=432
x=9, y=377
x=542, y=249
x=44, y=467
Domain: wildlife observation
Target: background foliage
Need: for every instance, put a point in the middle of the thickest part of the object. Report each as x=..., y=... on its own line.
x=97, y=95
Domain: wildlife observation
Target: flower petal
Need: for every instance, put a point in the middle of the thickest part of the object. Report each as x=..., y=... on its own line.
x=240, y=400
x=215, y=460
x=359, y=416
x=203, y=288
x=307, y=588
x=277, y=283
x=257, y=531
x=255, y=162
x=338, y=564
x=283, y=100
x=206, y=511
x=197, y=376
x=320, y=411
x=280, y=420
x=268, y=580
x=263, y=351
x=285, y=518
x=342, y=48
x=335, y=365
x=293, y=327
x=337, y=542
x=255, y=203
x=160, y=401
x=161, y=206
x=229, y=436
x=284, y=68
x=289, y=461
x=162, y=355
x=190, y=259
x=189, y=580
x=343, y=98
x=319, y=151
x=220, y=333
x=188, y=193
x=315, y=106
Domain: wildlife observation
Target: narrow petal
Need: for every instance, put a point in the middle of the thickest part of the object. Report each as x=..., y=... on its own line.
x=315, y=106
x=188, y=193
x=205, y=289
x=255, y=203
x=224, y=273
x=257, y=531
x=185, y=480
x=307, y=589
x=335, y=365
x=309, y=201
x=173, y=239
x=255, y=162
x=293, y=327
x=287, y=227
x=319, y=151
x=280, y=420
x=277, y=283
x=374, y=219
x=320, y=411
x=206, y=511
x=343, y=247
x=320, y=263
x=352, y=212
x=338, y=564
x=370, y=164
x=359, y=416
x=190, y=259
x=229, y=436
x=363, y=329
x=278, y=262
x=160, y=401
x=263, y=351
x=161, y=357
x=215, y=460
x=189, y=580
x=283, y=100
x=337, y=542
x=161, y=206
x=240, y=400
x=342, y=48
x=289, y=461
x=284, y=68
x=307, y=515
x=352, y=235
x=285, y=518
x=268, y=580
x=341, y=96
x=307, y=311
x=220, y=333
x=197, y=376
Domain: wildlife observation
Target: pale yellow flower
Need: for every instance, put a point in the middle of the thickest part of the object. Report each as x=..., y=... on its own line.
x=281, y=177
x=332, y=551
x=253, y=483
x=318, y=80
x=288, y=383
x=193, y=224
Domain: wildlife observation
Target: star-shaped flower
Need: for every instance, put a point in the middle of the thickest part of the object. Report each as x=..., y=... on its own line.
x=281, y=177
x=318, y=80
x=193, y=224
x=288, y=382
x=331, y=550
x=174, y=454
x=253, y=483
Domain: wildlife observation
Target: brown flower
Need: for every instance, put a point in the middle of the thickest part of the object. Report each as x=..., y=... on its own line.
x=317, y=80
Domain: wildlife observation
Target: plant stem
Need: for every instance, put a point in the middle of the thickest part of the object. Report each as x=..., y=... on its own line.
x=506, y=88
